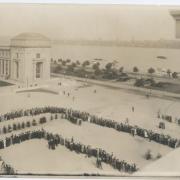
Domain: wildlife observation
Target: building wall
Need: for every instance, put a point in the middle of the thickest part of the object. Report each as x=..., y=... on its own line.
x=31, y=60
x=178, y=28
x=27, y=59
x=5, y=62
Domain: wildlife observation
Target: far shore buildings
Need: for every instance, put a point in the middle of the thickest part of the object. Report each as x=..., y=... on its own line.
x=27, y=59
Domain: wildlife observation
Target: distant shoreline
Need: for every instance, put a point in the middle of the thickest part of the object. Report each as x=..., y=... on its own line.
x=167, y=44
x=163, y=44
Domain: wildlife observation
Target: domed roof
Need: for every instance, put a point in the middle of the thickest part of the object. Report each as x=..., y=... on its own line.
x=30, y=40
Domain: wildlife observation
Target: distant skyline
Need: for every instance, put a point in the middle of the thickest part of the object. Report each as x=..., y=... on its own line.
x=88, y=22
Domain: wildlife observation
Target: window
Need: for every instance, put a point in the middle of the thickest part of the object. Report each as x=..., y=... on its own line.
x=7, y=64
x=17, y=55
x=38, y=55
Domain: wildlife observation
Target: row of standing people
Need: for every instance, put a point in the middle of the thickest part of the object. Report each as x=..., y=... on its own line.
x=73, y=115
x=126, y=127
x=100, y=154
x=54, y=140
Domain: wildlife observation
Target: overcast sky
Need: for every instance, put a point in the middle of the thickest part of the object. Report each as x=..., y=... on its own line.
x=93, y=22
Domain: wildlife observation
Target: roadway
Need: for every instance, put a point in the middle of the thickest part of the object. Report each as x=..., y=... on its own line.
x=125, y=87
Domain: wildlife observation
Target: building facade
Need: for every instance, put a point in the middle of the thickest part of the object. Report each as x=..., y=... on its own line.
x=4, y=61
x=176, y=15
x=27, y=59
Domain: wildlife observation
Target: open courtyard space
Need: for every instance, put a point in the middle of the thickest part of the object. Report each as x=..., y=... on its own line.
x=109, y=103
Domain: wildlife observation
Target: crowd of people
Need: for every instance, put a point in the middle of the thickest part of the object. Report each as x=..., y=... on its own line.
x=126, y=127
x=78, y=117
x=135, y=130
x=54, y=140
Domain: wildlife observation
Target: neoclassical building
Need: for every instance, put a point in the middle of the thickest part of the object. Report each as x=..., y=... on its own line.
x=27, y=59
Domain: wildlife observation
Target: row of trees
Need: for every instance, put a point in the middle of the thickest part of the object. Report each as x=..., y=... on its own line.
x=68, y=61
x=109, y=67
x=151, y=70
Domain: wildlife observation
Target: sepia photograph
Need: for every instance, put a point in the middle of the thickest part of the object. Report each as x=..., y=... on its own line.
x=89, y=90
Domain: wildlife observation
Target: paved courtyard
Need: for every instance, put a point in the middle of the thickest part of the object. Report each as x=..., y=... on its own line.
x=106, y=102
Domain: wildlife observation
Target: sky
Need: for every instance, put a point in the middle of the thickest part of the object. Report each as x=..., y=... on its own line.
x=88, y=22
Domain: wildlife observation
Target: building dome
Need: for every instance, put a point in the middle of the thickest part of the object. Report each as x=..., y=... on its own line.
x=33, y=40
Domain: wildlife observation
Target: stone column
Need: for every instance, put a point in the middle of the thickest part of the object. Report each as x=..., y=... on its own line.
x=3, y=67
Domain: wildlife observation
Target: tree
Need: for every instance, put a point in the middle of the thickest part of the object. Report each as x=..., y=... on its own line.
x=109, y=66
x=73, y=64
x=59, y=60
x=151, y=70
x=135, y=69
x=175, y=75
x=85, y=63
x=169, y=72
x=95, y=66
x=121, y=69
x=78, y=63
x=68, y=60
